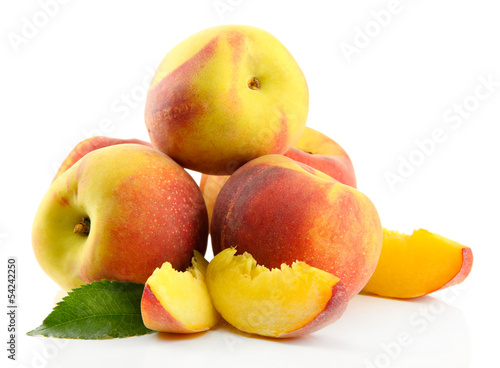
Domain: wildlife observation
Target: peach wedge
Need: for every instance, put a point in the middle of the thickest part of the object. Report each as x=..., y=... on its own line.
x=418, y=264
x=178, y=302
x=287, y=302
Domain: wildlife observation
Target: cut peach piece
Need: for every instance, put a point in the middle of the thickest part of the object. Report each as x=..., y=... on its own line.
x=287, y=302
x=178, y=302
x=418, y=264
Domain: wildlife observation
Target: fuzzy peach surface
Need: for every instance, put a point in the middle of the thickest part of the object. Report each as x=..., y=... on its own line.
x=143, y=209
x=201, y=108
x=281, y=211
x=314, y=149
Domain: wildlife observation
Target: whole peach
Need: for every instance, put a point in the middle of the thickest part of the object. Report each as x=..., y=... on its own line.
x=313, y=148
x=324, y=154
x=282, y=211
x=91, y=144
x=224, y=96
x=119, y=213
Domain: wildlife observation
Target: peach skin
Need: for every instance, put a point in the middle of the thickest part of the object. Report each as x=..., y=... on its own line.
x=210, y=186
x=418, y=264
x=324, y=154
x=224, y=96
x=119, y=213
x=91, y=144
x=281, y=211
x=313, y=148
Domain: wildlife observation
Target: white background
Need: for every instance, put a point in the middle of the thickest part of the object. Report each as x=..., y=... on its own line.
x=84, y=69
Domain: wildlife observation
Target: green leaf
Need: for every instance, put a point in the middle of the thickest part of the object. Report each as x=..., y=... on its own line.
x=100, y=310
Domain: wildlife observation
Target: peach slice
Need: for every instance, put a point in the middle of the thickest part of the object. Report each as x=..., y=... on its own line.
x=178, y=302
x=287, y=302
x=418, y=264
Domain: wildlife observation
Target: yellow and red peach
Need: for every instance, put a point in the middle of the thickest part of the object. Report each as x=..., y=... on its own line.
x=224, y=96
x=118, y=213
x=91, y=144
x=210, y=186
x=324, y=154
x=281, y=211
x=313, y=148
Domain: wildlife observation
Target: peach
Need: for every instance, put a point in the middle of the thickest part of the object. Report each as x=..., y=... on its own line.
x=178, y=302
x=324, y=154
x=281, y=211
x=224, y=96
x=313, y=148
x=287, y=302
x=119, y=213
x=418, y=264
x=91, y=144
x=210, y=186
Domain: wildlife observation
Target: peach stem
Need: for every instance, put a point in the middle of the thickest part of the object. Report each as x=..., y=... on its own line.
x=82, y=227
x=254, y=83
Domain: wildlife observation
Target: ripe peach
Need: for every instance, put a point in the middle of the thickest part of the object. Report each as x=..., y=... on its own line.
x=324, y=154
x=178, y=302
x=281, y=211
x=224, y=96
x=91, y=144
x=285, y=302
x=117, y=214
x=210, y=186
x=313, y=148
x=418, y=264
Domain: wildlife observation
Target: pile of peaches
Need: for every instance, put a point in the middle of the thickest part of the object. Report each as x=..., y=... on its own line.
x=293, y=239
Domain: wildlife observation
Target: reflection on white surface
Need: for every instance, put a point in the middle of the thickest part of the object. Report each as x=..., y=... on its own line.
x=374, y=332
